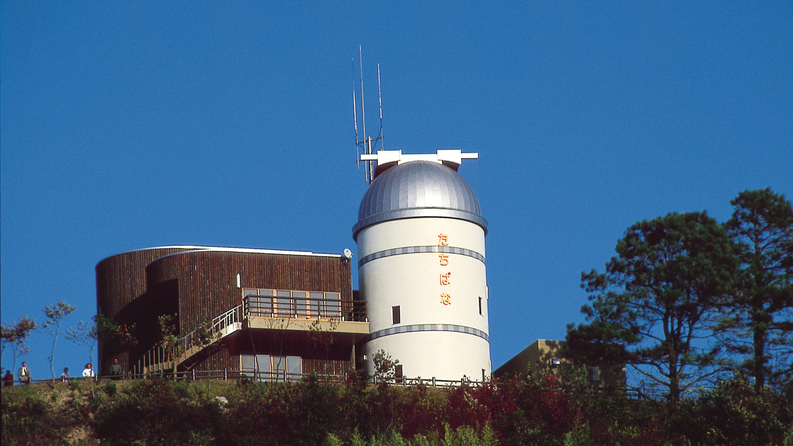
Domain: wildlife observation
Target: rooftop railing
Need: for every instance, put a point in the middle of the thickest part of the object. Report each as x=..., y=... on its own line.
x=305, y=308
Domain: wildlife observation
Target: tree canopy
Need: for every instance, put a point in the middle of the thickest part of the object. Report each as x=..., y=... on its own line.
x=15, y=335
x=650, y=308
x=756, y=320
x=55, y=314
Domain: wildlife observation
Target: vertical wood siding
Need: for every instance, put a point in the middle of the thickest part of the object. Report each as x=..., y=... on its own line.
x=139, y=286
x=121, y=295
x=207, y=284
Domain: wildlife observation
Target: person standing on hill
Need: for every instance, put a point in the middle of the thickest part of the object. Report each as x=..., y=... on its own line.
x=24, y=373
x=8, y=379
x=115, y=369
x=89, y=371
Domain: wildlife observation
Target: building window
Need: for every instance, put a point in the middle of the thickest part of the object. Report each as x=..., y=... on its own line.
x=300, y=303
x=332, y=305
x=279, y=366
x=398, y=374
x=256, y=366
x=283, y=305
x=594, y=373
x=286, y=368
x=263, y=364
x=480, y=305
x=395, y=315
x=249, y=366
x=271, y=367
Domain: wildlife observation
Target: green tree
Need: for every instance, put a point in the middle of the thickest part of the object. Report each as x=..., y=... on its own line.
x=323, y=340
x=384, y=366
x=170, y=341
x=15, y=335
x=757, y=318
x=55, y=315
x=734, y=412
x=112, y=336
x=85, y=334
x=649, y=309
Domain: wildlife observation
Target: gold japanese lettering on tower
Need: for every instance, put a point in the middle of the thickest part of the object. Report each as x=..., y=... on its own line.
x=445, y=276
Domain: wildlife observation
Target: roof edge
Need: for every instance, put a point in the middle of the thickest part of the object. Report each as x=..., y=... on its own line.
x=196, y=248
x=401, y=214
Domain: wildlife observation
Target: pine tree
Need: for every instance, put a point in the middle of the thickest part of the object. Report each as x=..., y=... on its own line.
x=650, y=309
x=756, y=321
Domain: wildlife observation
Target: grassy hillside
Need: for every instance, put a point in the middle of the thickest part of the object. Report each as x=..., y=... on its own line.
x=539, y=410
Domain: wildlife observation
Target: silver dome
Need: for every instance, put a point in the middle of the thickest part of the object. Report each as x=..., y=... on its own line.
x=418, y=189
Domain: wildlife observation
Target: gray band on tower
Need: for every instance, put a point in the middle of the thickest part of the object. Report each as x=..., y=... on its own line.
x=420, y=250
x=429, y=327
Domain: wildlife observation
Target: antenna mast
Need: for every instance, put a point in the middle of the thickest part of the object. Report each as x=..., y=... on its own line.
x=366, y=144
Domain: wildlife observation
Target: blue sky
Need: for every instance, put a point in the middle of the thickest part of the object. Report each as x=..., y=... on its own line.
x=128, y=125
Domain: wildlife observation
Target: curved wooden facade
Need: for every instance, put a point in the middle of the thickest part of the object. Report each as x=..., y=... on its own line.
x=199, y=283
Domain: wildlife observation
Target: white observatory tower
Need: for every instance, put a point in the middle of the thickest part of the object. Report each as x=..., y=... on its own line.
x=421, y=266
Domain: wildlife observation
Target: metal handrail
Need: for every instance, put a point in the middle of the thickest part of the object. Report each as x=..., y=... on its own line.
x=305, y=307
x=282, y=376
x=218, y=323
x=258, y=306
x=157, y=355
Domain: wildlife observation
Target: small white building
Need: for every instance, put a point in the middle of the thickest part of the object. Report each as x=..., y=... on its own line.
x=421, y=263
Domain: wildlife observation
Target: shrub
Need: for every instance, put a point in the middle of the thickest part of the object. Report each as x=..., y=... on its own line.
x=546, y=409
x=156, y=412
x=110, y=388
x=74, y=385
x=735, y=413
x=24, y=418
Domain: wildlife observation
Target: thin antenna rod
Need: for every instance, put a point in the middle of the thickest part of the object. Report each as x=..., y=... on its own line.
x=366, y=145
x=380, y=99
x=363, y=102
x=355, y=112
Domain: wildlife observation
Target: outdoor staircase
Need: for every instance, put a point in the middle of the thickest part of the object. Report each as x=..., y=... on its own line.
x=157, y=359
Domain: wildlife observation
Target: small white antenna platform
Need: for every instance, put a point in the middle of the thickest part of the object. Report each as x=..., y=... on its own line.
x=366, y=147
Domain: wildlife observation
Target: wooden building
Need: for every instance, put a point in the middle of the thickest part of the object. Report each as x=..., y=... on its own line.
x=270, y=314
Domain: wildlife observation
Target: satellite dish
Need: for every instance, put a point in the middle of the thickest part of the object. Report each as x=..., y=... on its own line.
x=347, y=253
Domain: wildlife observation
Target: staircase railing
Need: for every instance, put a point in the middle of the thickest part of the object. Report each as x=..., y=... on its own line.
x=158, y=358
x=219, y=324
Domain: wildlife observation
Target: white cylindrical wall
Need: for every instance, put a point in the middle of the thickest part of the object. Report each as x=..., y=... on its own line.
x=398, y=268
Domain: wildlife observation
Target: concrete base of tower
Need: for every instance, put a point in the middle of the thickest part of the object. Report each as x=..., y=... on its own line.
x=445, y=352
